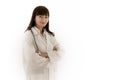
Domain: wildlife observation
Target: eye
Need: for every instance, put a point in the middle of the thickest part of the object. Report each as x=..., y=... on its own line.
x=40, y=16
x=46, y=16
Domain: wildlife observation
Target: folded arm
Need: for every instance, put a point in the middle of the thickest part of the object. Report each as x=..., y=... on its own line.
x=31, y=58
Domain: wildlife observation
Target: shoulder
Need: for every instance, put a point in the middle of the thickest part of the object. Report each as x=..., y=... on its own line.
x=28, y=35
x=50, y=35
x=52, y=38
x=28, y=32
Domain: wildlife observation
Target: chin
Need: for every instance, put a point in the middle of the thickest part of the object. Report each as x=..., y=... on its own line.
x=44, y=25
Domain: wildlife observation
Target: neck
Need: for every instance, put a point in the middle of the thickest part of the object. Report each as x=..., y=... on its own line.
x=40, y=28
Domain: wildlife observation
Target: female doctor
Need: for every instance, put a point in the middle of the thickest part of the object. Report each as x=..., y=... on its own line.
x=41, y=51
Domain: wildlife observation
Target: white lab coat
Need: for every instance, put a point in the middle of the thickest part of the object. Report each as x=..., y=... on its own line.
x=36, y=66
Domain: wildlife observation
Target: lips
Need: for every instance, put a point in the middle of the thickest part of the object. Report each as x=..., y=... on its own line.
x=42, y=22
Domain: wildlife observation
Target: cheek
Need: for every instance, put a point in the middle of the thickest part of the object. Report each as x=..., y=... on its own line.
x=47, y=20
x=36, y=20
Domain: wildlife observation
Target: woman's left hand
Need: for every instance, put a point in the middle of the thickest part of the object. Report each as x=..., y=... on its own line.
x=44, y=54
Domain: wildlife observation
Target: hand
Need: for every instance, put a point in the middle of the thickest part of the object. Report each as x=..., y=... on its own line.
x=44, y=54
x=55, y=49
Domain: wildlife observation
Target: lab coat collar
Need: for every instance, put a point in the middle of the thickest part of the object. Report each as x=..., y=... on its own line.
x=37, y=31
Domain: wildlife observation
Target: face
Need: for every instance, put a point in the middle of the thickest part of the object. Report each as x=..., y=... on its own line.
x=41, y=20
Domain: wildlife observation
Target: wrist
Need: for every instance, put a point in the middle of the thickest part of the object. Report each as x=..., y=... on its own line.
x=39, y=53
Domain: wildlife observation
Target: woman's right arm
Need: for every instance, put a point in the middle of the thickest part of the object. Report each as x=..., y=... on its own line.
x=31, y=58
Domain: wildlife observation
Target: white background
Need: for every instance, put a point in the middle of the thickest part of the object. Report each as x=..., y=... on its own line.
x=88, y=30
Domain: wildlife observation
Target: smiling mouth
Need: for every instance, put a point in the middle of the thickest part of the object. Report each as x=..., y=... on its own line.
x=42, y=23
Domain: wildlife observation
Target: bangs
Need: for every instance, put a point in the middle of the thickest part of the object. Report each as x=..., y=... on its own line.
x=42, y=11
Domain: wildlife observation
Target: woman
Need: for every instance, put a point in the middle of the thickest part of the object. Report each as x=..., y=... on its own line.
x=40, y=48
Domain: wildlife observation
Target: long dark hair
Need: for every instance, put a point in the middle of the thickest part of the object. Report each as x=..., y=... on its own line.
x=39, y=10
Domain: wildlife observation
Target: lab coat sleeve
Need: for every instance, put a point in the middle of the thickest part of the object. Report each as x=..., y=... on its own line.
x=54, y=51
x=31, y=58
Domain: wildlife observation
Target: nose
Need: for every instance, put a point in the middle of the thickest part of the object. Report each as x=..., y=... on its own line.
x=43, y=19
